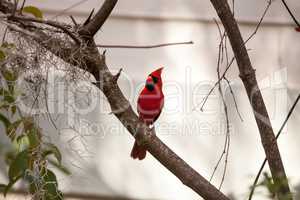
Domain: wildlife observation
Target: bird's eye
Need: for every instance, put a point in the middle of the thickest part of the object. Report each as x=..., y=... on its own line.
x=155, y=79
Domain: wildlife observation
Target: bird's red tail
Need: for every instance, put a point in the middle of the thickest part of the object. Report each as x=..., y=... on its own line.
x=138, y=151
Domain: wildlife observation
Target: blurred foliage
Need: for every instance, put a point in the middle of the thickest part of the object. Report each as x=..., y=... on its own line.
x=268, y=184
x=29, y=156
x=36, y=12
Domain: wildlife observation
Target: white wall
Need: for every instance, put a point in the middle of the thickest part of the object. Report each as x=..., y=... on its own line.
x=106, y=166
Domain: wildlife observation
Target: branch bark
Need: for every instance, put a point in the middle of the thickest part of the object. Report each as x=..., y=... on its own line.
x=91, y=60
x=91, y=28
x=277, y=136
x=247, y=75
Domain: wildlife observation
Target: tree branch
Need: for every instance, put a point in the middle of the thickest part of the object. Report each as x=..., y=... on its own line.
x=47, y=22
x=247, y=75
x=277, y=136
x=291, y=14
x=123, y=111
x=75, y=195
x=144, y=46
x=88, y=58
x=90, y=29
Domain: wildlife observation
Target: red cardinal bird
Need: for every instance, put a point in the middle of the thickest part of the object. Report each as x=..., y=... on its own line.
x=149, y=106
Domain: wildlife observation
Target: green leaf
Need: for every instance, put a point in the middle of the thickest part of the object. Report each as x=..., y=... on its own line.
x=10, y=184
x=13, y=110
x=7, y=124
x=22, y=143
x=7, y=45
x=9, y=157
x=2, y=187
x=34, y=11
x=29, y=177
x=12, y=129
x=47, y=182
x=60, y=167
x=19, y=165
x=4, y=105
x=52, y=149
x=34, y=140
x=9, y=75
x=7, y=95
x=2, y=55
x=51, y=186
x=9, y=99
x=5, y=121
x=11, y=86
x=28, y=124
x=57, y=196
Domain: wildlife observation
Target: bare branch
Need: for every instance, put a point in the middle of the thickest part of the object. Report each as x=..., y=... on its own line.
x=96, y=23
x=94, y=62
x=74, y=21
x=225, y=152
x=290, y=12
x=247, y=74
x=116, y=77
x=204, y=100
x=22, y=6
x=277, y=136
x=234, y=99
x=75, y=195
x=69, y=8
x=144, y=46
x=227, y=136
x=229, y=64
x=4, y=35
x=260, y=21
x=48, y=22
x=89, y=17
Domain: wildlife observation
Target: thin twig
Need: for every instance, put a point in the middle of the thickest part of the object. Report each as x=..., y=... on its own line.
x=227, y=136
x=89, y=30
x=116, y=77
x=278, y=134
x=203, y=102
x=225, y=150
x=248, y=77
x=15, y=7
x=22, y=6
x=4, y=35
x=89, y=17
x=74, y=21
x=260, y=21
x=144, y=46
x=290, y=12
x=75, y=195
x=22, y=31
x=46, y=100
x=95, y=64
x=69, y=8
x=234, y=99
x=47, y=22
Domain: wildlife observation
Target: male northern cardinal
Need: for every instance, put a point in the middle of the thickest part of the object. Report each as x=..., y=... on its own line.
x=149, y=106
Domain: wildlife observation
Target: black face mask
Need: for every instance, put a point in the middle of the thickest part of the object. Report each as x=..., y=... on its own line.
x=155, y=79
x=150, y=86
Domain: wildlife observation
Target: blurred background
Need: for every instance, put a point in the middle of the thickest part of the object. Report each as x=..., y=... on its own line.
x=96, y=147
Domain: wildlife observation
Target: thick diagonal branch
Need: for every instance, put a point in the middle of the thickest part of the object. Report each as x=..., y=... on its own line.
x=91, y=28
x=247, y=74
x=88, y=58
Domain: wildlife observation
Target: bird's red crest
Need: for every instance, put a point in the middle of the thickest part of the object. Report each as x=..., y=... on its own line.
x=157, y=72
